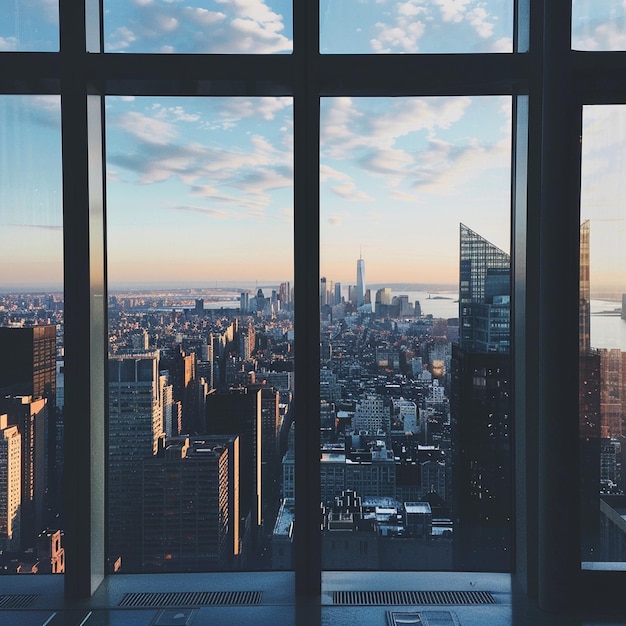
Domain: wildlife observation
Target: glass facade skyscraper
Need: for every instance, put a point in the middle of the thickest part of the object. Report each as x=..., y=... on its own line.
x=481, y=409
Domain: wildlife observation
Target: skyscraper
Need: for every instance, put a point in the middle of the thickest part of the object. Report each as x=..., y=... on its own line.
x=360, y=281
x=28, y=368
x=190, y=509
x=135, y=427
x=28, y=361
x=238, y=412
x=480, y=408
x=10, y=485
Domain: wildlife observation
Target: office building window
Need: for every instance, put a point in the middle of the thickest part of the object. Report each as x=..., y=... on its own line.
x=151, y=140
x=200, y=317
x=415, y=300
x=199, y=27
x=29, y=26
x=31, y=336
x=353, y=27
x=602, y=332
x=598, y=26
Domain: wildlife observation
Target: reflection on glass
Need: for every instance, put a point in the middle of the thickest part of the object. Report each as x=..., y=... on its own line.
x=200, y=266
x=29, y=26
x=415, y=414
x=602, y=338
x=412, y=26
x=598, y=25
x=31, y=336
x=199, y=26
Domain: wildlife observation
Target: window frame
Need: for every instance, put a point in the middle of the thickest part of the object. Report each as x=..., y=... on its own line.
x=548, y=82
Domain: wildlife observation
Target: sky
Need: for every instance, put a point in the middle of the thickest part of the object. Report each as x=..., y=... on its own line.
x=201, y=190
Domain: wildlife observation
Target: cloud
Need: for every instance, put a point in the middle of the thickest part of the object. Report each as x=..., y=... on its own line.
x=504, y=44
x=402, y=36
x=48, y=9
x=346, y=188
x=348, y=191
x=411, y=24
x=234, y=176
x=345, y=130
x=403, y=143
x=403, y=196
x=146, y=129
x=47, y=227
x=452, y=10
x=335, y=220
x=236, y=109
x=386, y=161
x=230, y=26
x=444, y=168
x=207, y=211
x=8, y=44
x=479, y=20
x=121, y=39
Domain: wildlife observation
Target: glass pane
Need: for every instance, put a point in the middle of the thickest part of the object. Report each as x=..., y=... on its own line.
x=31, y=335
x=199, y=26
x=29, y=25
x=427, y=26
x=598, y=25
x=603, y=338
x=415, y=415
x=200, y=266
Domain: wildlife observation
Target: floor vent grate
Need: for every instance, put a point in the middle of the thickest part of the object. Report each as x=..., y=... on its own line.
x=353, y=598
x=20, y=601
x=191, y=598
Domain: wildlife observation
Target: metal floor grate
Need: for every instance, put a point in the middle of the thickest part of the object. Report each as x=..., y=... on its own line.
x=352, y=598
x=191, y=598
x=19, y=601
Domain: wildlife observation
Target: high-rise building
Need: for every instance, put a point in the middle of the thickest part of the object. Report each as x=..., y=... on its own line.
x=238, y=412
x=28, y=361
x=323, y=292
x=244, y=302
x=10, y=485
x=371, y=414
x=28, y=368
x=30, y=416
x=337, y=293
x=360, y=282
x=135, y=427
x=484, y=295
x=480, y=408
x=190, y=502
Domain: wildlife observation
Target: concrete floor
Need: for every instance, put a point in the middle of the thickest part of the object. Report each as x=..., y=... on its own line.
x=279, y=607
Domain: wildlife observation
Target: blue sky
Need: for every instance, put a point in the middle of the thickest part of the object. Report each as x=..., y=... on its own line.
x=265, y=26
x=202, y=189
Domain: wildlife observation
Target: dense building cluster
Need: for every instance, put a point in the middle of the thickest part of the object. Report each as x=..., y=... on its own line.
x=415, y=428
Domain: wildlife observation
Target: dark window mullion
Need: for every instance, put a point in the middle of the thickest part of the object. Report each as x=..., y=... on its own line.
x=307, y=536
x=84, y=312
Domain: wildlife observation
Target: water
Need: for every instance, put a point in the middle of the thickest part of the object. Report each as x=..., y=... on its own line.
x=607, y=331
x=440, y=304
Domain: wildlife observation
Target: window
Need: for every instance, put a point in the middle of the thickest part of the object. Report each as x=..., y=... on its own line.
x=29, y=26
x=31, y=335
x=601, y=344
x=400, y=416
x=544, y=83
x=200, y=332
